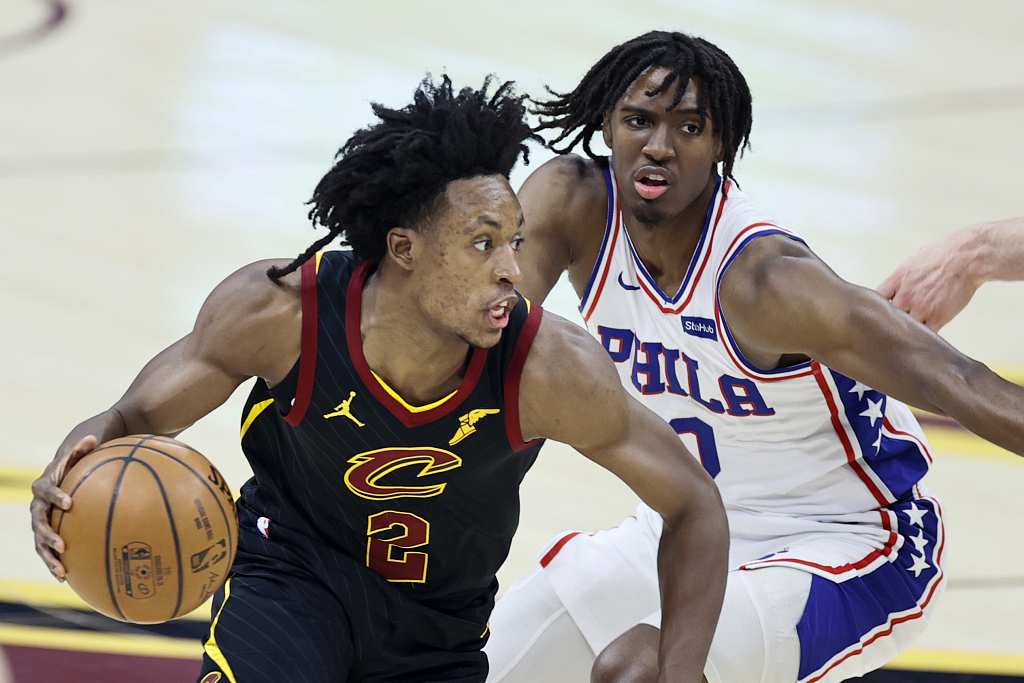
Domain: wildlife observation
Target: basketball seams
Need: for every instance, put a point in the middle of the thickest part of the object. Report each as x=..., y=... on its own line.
x=202, y=479
x=106, y=540
x=174, y=529
x=164, y=468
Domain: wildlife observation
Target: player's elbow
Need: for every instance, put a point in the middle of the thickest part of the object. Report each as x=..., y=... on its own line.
x=699, y=508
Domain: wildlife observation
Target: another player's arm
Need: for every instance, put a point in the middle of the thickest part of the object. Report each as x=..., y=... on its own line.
x=560, y=200
x=937, y=282
x=571, y=393
x=779, y=298
x=248, y=326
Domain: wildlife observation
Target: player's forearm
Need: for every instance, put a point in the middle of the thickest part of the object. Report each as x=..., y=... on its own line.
x=995, y=251
x=692, y=565
x=984, y=403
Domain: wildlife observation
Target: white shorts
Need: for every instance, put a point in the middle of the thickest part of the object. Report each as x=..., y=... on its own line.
x=535, y=640
x=779, y=624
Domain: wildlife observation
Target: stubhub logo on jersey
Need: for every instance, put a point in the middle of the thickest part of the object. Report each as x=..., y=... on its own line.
x=700, y=327
x=656, y=369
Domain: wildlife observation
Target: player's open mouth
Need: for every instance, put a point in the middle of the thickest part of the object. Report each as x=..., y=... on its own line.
x=651, y=184
x=498, y=314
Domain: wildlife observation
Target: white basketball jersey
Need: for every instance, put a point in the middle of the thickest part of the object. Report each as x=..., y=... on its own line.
x=799, y=453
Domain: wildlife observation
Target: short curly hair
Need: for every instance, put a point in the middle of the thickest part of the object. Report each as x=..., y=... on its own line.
x=395, y=172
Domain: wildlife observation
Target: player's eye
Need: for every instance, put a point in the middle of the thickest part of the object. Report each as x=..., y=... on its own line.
x=517, y=242
x=637, y=120
x=691, y=128
x=482, y=245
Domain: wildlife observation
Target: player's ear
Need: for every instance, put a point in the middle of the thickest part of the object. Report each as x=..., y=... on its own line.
x=401, y=246
x=606, y=129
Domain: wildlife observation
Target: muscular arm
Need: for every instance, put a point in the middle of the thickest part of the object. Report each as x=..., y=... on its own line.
x=570, y=392
x=565, y=204
x=780, y=299
x=248, y=327
x=937, y=282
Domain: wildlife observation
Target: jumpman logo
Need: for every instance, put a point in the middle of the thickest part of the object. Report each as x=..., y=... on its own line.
x=343, y=409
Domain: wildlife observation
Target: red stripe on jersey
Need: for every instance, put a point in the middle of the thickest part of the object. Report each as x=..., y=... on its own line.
x=837, y=424
x=514, y=374
x=550, y=555
x=607, y=264
x=353, y=309
x=921, y=444
x=886, y=551
x=307, y=359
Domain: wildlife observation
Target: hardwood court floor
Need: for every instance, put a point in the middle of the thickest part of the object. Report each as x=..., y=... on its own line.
x=148, y=149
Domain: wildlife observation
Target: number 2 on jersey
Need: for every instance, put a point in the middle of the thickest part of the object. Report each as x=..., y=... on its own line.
x=706, y=448
x=386, y=556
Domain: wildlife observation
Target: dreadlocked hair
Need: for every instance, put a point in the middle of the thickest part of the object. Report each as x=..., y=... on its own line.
x=394, y=172
x=724, y=95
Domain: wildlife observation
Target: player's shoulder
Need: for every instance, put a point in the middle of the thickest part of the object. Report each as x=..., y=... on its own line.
x=250, y=288
x=563, y=354
x=568, y=185
x=568, y=379
x=251, y=323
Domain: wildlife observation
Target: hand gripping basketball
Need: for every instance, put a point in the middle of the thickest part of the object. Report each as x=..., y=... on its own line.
x=152, y=531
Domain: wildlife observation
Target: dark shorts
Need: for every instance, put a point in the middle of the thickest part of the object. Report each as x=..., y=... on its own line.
x=295, y=611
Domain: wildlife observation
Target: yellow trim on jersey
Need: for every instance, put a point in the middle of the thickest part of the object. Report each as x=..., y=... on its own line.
x=527, y=313
x=211, y=648
x=319, y=255
x=107, y=643
x=254, y=412
x=411, y=409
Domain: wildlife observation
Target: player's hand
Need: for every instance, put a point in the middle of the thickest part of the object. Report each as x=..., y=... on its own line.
x=932, y=285
x=46, y=494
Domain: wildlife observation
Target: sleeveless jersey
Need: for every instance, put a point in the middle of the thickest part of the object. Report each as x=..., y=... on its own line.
x=799, y=453
x=427, y=497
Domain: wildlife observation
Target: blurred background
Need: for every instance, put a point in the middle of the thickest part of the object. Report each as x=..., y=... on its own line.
x=148, y=149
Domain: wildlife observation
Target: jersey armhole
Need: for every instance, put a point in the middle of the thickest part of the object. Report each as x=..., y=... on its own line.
x=307, y=357
x=515, y=373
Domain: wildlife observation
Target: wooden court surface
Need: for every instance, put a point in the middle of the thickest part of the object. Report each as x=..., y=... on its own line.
x=149, y=149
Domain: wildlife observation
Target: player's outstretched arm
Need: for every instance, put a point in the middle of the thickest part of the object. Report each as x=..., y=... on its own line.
x=560, y=199
x=247, y=327
x=780, y=299
x=570, y=392
x=937, y=282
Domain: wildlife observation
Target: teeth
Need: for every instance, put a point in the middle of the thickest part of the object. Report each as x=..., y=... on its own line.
x=654, y=176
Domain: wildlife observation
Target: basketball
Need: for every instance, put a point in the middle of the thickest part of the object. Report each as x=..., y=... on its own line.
x=151, y=532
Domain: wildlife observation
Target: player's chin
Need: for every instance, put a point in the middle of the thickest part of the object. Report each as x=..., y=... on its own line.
x=483, y=339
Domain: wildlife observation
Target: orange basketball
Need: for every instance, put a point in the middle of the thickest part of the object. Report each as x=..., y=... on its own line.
x=151, y=532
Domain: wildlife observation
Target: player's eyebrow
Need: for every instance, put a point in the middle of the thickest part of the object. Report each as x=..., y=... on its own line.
x=484, y=220
x=629, y=109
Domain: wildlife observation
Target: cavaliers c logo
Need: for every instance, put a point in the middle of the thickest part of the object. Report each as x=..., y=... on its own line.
x=370, y=467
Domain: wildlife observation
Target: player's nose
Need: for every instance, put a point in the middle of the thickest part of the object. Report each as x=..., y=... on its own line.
x=506, y=265
x=658, y=146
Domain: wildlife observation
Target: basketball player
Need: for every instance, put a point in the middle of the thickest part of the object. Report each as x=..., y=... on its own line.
x=782, y=377
x=403, y=389
x=936, y=283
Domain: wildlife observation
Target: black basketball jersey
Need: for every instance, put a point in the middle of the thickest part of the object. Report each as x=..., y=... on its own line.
x=427, y=497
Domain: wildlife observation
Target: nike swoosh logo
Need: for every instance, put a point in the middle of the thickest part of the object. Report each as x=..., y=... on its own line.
x=629, y=288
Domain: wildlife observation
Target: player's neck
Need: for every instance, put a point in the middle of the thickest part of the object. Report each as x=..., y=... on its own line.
x=666, y=249
x=420, y=362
